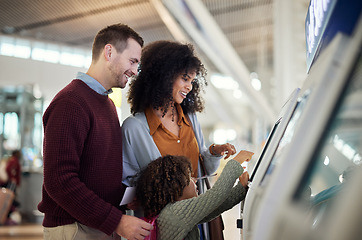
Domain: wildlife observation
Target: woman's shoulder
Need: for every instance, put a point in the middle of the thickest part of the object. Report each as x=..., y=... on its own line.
x=192, y=116
x=135, y=121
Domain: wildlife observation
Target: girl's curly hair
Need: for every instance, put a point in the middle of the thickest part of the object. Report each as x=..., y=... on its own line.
x=161, y=63
x=162, y=182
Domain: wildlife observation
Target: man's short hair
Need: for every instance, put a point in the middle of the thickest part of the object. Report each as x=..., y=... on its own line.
x=117, y=35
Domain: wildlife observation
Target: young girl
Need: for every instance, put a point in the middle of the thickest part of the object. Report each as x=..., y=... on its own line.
x=168, y=193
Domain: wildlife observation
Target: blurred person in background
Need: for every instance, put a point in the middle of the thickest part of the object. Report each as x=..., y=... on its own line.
x=12, y=179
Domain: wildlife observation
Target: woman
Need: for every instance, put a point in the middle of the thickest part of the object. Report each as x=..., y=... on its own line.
x=164, y=99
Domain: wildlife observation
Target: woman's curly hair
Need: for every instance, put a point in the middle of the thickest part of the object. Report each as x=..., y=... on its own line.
x=161, y=63
x=162, y=182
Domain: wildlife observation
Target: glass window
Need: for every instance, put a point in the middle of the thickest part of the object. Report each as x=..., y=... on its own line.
x=52, y=53
x=1, y=122
x=11, y=131
x=337, y=156
x=38, y=51
x=7, y=46
x=22, y=48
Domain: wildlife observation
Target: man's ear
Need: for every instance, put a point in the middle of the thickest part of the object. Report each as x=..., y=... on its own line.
x=108, y=51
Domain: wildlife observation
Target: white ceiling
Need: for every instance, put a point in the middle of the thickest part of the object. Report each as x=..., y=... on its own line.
x=248, y=25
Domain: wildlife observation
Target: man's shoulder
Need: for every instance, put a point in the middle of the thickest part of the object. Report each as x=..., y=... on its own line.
x=74, y=88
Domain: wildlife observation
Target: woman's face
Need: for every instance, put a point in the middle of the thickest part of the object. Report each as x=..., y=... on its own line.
x=182, y=86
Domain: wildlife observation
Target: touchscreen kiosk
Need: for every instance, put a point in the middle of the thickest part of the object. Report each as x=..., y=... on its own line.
x=261, y=157
x=312, y=177
x=286, y=139
x=251, y=199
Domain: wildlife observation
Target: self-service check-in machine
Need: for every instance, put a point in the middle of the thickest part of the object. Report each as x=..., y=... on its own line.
x=310, y=186
x=255, y=191
x=305, y=184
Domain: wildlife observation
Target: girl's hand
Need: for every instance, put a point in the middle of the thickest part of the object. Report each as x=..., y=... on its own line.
x=243, y=156
x=244, y=178
x=227, y=148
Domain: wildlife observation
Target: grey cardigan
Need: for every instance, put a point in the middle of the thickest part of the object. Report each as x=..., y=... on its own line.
x=139, y=149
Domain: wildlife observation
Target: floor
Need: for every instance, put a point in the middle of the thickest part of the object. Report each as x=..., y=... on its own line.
x=21, y=232
x=35, y=231
x=230, y=217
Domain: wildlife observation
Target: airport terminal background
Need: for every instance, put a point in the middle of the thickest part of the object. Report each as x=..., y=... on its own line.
x=263, y=59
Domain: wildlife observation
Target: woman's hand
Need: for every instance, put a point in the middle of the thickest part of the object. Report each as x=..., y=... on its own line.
x=244, y=178
x=227, y=148
x=243, y=156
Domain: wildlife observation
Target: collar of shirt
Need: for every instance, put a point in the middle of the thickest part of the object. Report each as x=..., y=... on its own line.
x=154, y=122
x=93, y=84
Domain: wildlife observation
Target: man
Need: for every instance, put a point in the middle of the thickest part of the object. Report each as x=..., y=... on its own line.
x=13, y=179
x=83, y=147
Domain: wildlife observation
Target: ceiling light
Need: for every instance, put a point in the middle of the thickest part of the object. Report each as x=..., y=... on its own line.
x=223, y=82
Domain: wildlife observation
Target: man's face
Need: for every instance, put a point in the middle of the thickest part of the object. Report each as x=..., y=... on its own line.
x=124, y=65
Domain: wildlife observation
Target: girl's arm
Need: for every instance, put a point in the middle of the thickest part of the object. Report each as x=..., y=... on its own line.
x=191, y=211
x=236, y=195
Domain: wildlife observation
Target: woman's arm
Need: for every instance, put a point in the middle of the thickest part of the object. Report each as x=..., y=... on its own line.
x=138, y=147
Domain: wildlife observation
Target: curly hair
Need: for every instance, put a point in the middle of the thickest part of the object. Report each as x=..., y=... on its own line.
x=161, y=63
x=162, y=182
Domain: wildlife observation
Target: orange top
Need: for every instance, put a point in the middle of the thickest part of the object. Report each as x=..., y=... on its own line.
x=170, y=144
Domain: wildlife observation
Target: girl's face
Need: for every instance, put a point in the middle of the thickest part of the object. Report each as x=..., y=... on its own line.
x=190, y=190
x=182, y=86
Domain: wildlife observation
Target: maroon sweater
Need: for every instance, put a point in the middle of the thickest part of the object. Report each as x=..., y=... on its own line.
x=82, y=160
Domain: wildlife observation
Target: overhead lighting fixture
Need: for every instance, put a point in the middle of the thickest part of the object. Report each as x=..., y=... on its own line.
x=224, y=82
x=255, y=82
x=237, y=93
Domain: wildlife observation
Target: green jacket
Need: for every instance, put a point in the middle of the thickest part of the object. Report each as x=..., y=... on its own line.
x=179, y=220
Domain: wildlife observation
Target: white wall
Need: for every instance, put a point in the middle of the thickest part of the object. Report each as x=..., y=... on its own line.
x=50, y=77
